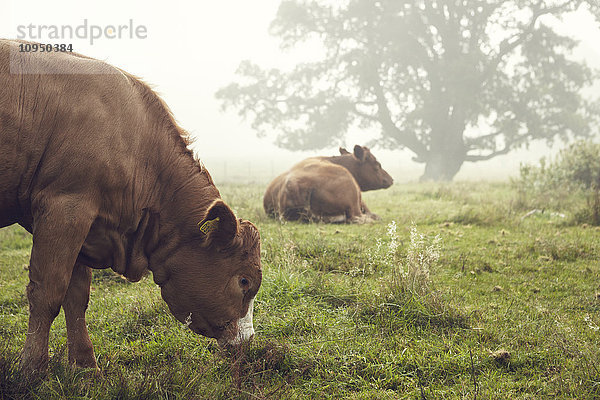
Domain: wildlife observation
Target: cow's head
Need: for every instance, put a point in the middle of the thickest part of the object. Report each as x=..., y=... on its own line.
x=365, y=168
x=214, y=277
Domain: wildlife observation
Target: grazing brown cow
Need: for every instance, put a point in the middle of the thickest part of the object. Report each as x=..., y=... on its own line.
x=327, y=188
x=93, y=164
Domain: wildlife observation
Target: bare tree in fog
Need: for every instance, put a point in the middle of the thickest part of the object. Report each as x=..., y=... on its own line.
x=451, y=80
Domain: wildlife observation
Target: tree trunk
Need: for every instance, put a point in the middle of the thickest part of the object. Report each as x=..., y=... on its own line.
x=441, y=167
x=446, y=155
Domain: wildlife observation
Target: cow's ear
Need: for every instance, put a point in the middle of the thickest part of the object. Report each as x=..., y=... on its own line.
x=359, y=152
x=219, y=226
x=343, y=151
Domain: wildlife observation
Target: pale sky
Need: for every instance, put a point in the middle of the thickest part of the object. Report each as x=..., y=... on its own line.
x=193, y=48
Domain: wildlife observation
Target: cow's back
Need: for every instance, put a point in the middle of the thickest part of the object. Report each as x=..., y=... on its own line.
x=67, y=123
x=312, y=188
x=284, y=191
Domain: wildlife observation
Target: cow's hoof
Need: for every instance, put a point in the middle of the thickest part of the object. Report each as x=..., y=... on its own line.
x=33, y=374
x=33, y=367
x=88, y=372
x=361, y=219
x=82, y=357
x=84, y=364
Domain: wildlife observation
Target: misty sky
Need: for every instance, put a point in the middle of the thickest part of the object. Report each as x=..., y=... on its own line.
x=193, y=48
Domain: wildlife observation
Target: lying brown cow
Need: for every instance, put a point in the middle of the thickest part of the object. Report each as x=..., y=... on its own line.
x=327, y=188
x=93, y=164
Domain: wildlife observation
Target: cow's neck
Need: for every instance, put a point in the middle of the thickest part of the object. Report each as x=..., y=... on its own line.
x=349, y=162
x=184, y=193
x=171, y=182
x=187, y=191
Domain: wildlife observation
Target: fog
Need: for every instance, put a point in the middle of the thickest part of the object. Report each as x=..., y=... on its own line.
x=192, y=49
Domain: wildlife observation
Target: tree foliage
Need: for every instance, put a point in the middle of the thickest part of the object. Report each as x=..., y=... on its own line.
x=451, y=80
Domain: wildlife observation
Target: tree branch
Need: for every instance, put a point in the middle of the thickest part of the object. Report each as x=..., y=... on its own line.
x=365, y=115
x=508, y=45
x=366, y=103
x=479, y=139
x=473, y=158
x=507, y=148
x=405, y=138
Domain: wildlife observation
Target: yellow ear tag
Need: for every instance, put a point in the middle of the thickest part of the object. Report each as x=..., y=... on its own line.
x=209, y=226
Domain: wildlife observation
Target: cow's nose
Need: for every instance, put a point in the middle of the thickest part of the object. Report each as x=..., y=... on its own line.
x=245, y=328
x=242, y=337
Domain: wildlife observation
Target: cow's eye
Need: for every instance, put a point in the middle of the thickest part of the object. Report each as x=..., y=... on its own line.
x=244, y=282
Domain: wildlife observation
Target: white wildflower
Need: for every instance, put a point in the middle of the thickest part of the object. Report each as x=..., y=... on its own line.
x=590, y=323
x=411, y=271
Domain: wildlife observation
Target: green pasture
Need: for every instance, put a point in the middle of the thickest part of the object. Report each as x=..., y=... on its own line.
x=509, y=308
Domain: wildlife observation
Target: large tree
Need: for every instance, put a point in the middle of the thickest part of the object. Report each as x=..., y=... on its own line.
x=450, y=80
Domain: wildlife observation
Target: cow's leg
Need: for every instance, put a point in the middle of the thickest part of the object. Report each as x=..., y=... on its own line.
x=59, y=231
x=328, y=205
x=335, y=219
x=81, y=352
x=368, y=212
x=354, y=210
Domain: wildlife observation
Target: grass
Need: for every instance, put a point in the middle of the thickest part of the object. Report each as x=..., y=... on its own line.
x=512, y=310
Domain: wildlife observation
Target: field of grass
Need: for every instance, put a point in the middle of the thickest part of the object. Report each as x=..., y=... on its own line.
x=511, y=310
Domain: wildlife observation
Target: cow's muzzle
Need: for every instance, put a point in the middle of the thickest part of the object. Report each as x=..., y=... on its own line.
x=245, y=329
